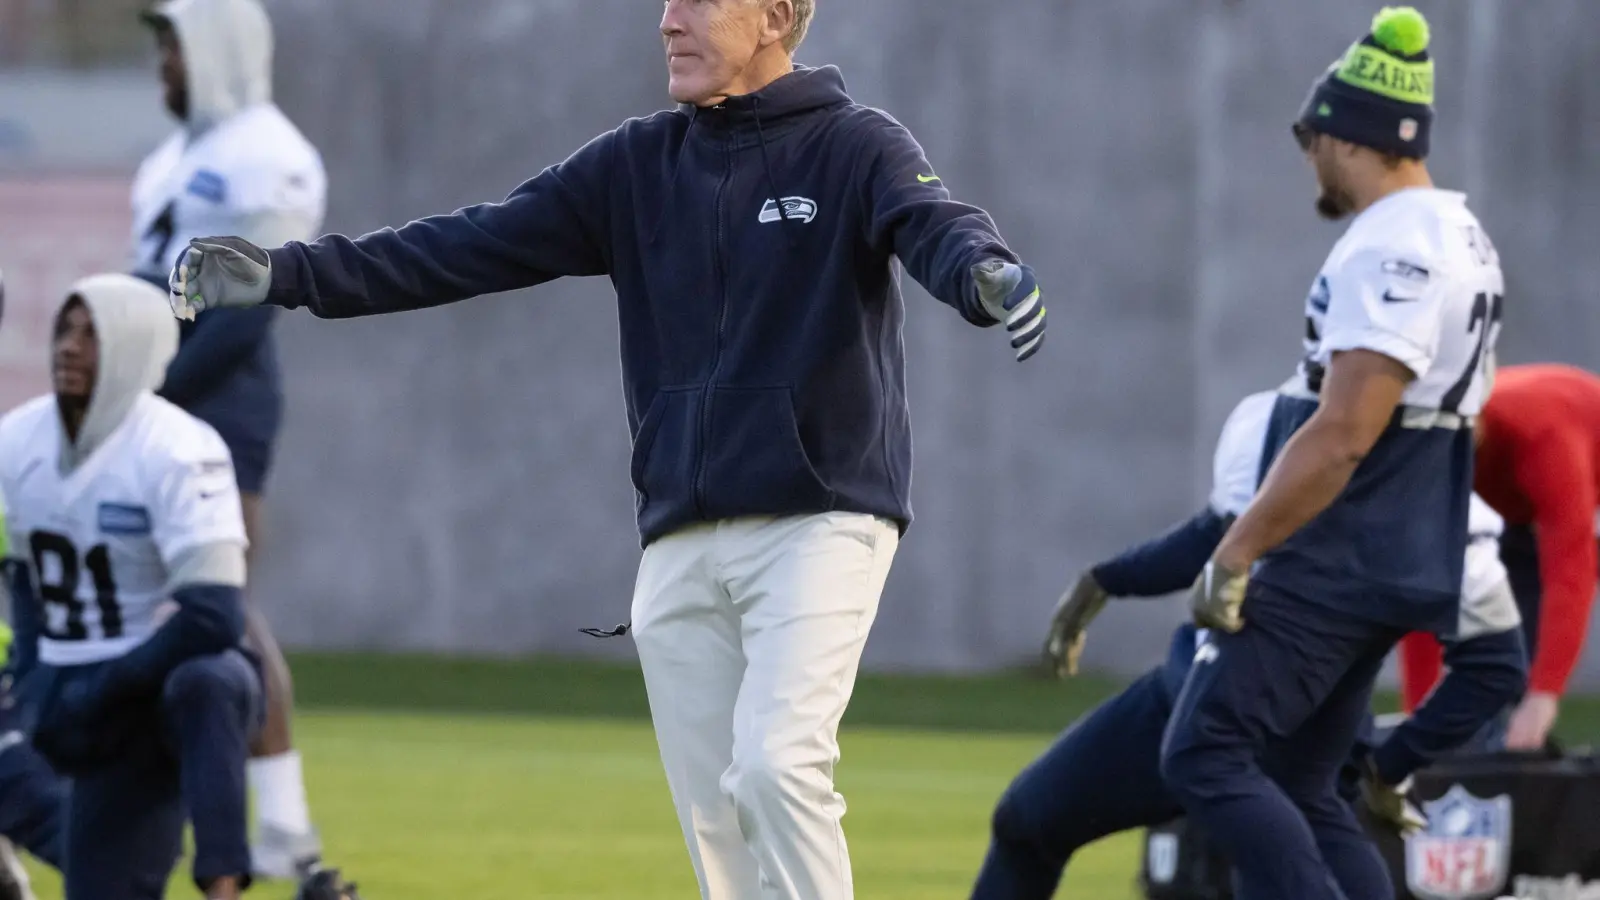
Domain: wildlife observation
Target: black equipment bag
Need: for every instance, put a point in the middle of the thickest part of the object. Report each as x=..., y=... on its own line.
x=1519, y=824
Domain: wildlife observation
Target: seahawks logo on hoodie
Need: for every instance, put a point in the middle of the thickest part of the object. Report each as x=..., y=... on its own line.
x=803, y=209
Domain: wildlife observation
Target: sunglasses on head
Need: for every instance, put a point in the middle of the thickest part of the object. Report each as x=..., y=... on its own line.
x=1303, y=135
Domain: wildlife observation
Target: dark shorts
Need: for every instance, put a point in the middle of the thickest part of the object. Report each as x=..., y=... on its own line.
x=252, y=460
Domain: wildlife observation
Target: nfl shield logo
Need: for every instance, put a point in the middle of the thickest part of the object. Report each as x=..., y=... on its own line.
x=1465, y=852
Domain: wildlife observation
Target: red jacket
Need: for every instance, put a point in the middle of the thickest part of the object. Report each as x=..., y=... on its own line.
x=1538, y=463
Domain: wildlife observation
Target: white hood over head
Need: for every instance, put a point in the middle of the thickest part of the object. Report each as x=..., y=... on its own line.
x=227, y=53
x=137, y=337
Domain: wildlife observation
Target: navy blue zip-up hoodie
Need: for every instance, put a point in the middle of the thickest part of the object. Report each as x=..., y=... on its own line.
x=751, y=249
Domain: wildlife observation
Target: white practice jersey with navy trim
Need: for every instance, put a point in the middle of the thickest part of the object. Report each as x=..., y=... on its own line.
x=1415, y=279
x=252, y=166
x=101, y=541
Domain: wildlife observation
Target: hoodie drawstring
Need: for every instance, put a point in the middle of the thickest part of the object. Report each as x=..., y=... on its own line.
x=772, y=182
x=666, y=203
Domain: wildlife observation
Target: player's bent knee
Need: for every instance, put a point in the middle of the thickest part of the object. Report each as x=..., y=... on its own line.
x=208, y=682
x=1013, y=821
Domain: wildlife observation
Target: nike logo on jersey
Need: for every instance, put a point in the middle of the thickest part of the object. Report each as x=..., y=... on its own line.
x=927, y=179
x=1389, y=297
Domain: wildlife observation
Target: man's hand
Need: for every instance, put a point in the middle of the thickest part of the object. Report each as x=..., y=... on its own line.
x=1010, y=294
x=1531, y=723
x=216, y=272
x=1074, y=611
x=1389, y=803
x=1217, y=596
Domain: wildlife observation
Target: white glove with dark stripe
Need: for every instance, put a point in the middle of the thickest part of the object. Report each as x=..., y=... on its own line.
x=215, y=272
x=1010, y=294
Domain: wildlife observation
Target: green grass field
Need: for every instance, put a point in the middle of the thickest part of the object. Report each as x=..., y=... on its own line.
x=438, y=778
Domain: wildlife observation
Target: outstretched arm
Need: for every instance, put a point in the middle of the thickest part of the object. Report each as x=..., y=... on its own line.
x=553, y=225
x=1167, y=563
x=910, y=214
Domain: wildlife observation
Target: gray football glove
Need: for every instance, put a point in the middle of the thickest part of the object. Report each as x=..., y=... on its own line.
x=1217, y=596
x=217, y=272
x=1389, y=803
x=1010, y=294
x=1070, y=625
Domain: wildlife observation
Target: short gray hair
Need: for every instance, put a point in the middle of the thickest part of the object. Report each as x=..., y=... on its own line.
x=804, y=11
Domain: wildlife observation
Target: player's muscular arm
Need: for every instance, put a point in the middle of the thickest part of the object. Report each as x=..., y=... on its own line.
x=553, y=225
x=1359, y=395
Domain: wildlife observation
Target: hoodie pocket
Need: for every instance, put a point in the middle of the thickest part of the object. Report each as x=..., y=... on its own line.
x=755, y=461
x=663, y=451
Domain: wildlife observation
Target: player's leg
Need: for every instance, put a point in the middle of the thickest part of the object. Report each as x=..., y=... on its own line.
x=806, y=589
x=210, y=708
x=32, y=799
x=124, y=830
x=689, y=652
x=286, y=842
x=1308, y=766
x=1246, y=690
x=1100, y=777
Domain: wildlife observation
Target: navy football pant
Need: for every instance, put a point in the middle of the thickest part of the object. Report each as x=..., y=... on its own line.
x=125, y=818
x=32, y=799
x=1294, y=683
x=1100, y=777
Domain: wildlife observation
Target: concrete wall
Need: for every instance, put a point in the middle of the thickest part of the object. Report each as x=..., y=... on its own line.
x=457, y=479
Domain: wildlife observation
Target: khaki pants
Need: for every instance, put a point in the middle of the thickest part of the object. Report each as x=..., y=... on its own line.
x=749, y=633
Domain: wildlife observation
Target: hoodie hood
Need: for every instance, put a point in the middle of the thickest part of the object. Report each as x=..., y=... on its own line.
x=227, y=54
x=801, y=90
x=138, y=337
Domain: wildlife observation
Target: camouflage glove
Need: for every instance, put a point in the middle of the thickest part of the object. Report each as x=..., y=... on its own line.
x=1070, y=625
x=216, y=272
x=1217, y=596
x=1390, y=803
x=1010, y=294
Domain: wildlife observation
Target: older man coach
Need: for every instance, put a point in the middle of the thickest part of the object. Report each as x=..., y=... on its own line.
x=750, y=235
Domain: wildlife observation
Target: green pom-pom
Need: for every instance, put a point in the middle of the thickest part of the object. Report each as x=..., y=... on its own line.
x=1400, y=29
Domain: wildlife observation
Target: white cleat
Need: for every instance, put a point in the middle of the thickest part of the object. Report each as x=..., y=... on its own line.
x=282, y=854
x=13, y=877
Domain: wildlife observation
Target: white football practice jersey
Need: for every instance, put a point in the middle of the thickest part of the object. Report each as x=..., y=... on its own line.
x=252, y=167
x=101, y=540
x=237, y=165
x=1416, y=279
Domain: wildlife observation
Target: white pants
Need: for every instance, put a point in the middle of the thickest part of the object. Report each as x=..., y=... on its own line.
x=750, y=633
